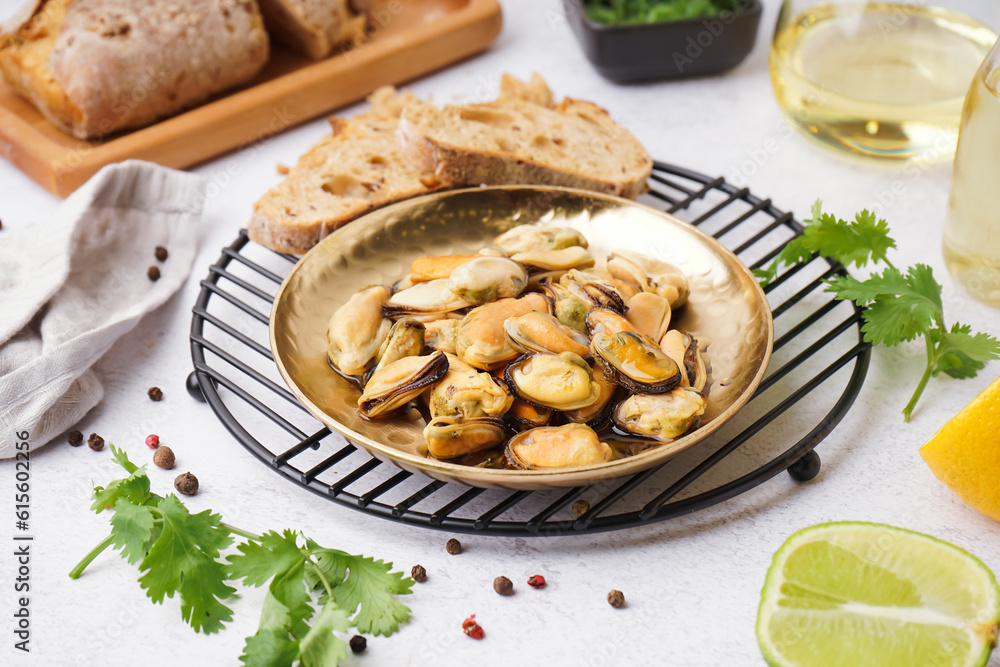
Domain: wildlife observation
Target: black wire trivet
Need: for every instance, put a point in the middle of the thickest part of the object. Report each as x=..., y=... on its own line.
x=816, y=371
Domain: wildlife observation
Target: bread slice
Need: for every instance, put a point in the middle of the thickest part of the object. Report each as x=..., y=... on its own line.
x=313, y=27
x=523, y=137
x=354, y=169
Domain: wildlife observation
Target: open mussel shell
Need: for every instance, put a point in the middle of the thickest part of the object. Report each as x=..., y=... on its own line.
x=391, y=388
x=541, y=332
x=357, y=330
x=635, y=363
x=592, y=289
x=683, y=348
x=560, y=382
x=405, y=339
x=486, y=279
x=424, y=301
x=482, y=341
x=467, y=392
x=567, y=446
x=453, y=436
x=660, y=416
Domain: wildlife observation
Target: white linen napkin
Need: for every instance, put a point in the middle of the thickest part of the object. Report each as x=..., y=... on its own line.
x=72, y=285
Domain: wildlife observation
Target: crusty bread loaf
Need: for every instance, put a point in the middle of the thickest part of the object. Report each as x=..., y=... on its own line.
x=93, y=67
x=523, y=138
x=352, y=170
x=313, y=27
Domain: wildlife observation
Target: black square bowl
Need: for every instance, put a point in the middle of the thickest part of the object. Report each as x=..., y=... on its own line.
x=668, y=50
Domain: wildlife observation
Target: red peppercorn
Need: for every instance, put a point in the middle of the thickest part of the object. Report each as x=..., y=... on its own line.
x=536, y=581
x=473, y=629
x=152, y=441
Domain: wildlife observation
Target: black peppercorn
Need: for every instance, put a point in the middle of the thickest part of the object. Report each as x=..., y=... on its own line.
x=74, y=438
x=503, y=586
x=95, y=442
x=358, y=644
x=616, y=599
x=161, y=253
x=153, y=273
x=419, y=574
x=155, y=394
x=453, y=546
x=187, y=484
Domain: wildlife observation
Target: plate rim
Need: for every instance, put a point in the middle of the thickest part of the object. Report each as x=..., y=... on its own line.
x=502, y=477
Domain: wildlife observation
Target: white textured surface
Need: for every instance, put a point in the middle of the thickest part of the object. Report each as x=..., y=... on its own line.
x=692, y=584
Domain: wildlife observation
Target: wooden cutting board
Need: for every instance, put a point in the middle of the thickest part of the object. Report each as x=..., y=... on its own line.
x=409, y=38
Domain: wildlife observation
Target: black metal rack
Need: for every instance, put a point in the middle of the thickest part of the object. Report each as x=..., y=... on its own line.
x=816, y=371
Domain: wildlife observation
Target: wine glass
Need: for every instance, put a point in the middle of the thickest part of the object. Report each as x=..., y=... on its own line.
x=880, y=79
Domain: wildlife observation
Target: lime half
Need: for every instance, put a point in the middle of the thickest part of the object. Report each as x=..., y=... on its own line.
x=866, y=595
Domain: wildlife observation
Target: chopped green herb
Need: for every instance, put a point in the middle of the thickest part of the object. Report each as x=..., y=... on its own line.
x=656, y=11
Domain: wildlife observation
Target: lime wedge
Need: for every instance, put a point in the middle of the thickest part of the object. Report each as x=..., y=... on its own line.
x=866, y=595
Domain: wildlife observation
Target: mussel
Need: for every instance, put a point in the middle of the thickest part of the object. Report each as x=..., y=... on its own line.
x=424, y=301
x=574, y=257
x=541, y=332
x=453, y=436
x=602, y=320
x=486, y=279
x=389, y=389
x=649, y=313
x=652, y=275
x=538, y=237
x=357, y=330
x=481, y=340
x=523, y=416
x=683, y=349
x=635, y=363
x=567, y=446
x=441, y=334
x=597, y=414
x=467, y=392
x=425, y=269
x=560, y=382
x=660, y=416
x=568, y=308
x=596, y=291
x=405, y=339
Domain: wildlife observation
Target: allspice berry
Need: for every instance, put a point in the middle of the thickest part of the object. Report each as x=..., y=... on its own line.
x=160, y=253
x=616, y=599
x=419, y=574
x=453, y=546
x=581, y=507
x=163, y=457
x=187, y=484
x=153, y=273
x=95, y=442
x=74, y=438
x=503, y=586
x=155, y=394
x=358, y=644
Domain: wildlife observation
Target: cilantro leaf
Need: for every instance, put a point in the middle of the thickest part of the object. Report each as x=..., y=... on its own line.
x=320, y=647
x=183, y=560
x=960, y=354
x=132, y=529
x=259, y=562
x=900, y=306
x=133, y=489
x=268, y=648
x=121, y=458
x=365, y=585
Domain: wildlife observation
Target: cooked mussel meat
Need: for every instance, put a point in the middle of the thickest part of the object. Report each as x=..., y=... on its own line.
x=683, y=348
x=561, y=382
x=652, y=275
x=424, y=301
x=596, y=291
x=441, y=334
x=660, y=416
x=635, y=363
x=454, y=436
x=649, y=313
x=567, y=446
x=482, y=341
x=538, y=237
x=575, y=257
x=596, y=415
x=357, y=330
x=467, y=392
x=425, y=269
x=405, y=339
x=389, y=389
x=541, y=332
x=486, y=279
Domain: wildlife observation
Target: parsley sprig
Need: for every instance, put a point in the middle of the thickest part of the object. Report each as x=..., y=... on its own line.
x=900, y=306
x=180, y=553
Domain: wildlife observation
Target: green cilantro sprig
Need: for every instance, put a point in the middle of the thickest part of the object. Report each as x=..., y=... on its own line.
x=180, y=553
x=900, y=306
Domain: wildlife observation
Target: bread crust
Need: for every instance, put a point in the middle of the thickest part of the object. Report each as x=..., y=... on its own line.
x=117, y=64
x=313, y=27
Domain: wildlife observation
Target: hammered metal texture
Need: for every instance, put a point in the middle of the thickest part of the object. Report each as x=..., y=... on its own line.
x=726, y=309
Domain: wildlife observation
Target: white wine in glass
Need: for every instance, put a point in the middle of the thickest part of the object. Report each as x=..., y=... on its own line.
x=880, y=79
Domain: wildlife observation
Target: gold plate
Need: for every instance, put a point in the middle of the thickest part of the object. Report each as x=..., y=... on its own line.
x=726, y=306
